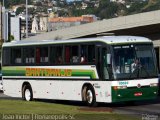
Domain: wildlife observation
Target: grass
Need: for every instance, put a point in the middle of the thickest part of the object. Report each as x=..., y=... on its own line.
x=42, y=110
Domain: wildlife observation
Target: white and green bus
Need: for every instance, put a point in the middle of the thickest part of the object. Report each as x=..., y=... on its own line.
x=103, y=69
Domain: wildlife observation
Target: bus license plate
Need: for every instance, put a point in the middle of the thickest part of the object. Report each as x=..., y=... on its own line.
x=138, y=94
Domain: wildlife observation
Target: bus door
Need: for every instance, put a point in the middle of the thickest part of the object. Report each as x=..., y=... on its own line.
x=106, y=64
x=99, y=61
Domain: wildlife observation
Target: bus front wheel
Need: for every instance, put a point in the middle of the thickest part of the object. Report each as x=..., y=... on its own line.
x=90, y=97
x=27, y=93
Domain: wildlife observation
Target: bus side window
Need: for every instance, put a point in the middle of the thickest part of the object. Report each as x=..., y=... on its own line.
x=6, y=56
x=16, y=56
x=28, y=54
x=75, y=54
x=59, y=54
x=56, y=53
x=72, y=54
x=91, y=53
x=52, y=55
x=37, y=55
x=87, y=54
x=67, y=54
x=83, y=53
x=42, y=55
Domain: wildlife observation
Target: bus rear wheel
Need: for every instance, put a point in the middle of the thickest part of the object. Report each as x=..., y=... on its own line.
x=90, y=97
x=27, y=93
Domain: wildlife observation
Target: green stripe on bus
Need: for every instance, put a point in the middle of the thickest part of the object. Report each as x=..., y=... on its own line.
x=13, y=71
x=87, y=73
x=21, y=71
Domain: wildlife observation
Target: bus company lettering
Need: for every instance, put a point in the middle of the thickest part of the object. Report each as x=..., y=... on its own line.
x=48, y=72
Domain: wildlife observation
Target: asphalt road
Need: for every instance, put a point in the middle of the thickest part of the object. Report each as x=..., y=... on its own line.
x=149, y=108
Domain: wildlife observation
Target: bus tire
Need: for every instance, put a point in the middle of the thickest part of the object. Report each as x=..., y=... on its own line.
x=90, y=96
x=27, y=93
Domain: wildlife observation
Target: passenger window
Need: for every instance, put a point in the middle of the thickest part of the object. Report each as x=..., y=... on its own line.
x=16, y=56
x=56, y=54
x=52, y=54
x=59, y=54
x=87, y=54
x=6, y=56
x=42, y=55
x=91, y=53
x=67, y=54
x=28, y=55
x=72, y=54
x=75, y=56
x=84, y=51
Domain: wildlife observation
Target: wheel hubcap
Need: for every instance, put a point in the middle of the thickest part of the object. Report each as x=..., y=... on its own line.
x=89, y=96
x=27, y=94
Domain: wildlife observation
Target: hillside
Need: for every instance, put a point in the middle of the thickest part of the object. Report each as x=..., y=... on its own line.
x=103, y=9
x=152, y=5
x=109, y=9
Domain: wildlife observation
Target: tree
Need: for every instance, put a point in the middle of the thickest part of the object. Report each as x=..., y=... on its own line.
x=19, y=10
x=9, y=3
x=107, y=9
x=136, y=7
x=152, y=5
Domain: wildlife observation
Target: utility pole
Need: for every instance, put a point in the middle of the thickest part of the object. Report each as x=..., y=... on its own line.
x=3, y=3
x=26, y=18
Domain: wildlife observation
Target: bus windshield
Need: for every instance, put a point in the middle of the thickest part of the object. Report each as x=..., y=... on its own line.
x=134, y=61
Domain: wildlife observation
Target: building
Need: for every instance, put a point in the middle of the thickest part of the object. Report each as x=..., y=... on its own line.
x=35, y=25
x=65, y=22
x=43, y=23
x=40, y=24
x=15, y=28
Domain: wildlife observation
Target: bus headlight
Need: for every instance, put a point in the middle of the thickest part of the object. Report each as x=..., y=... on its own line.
x=119, y=87
x=153, y=84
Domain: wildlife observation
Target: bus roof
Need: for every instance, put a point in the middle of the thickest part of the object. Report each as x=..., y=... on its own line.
x=105, y=39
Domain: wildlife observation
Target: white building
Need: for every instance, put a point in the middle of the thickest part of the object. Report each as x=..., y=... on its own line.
x=35, y=27
x=43, y=23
